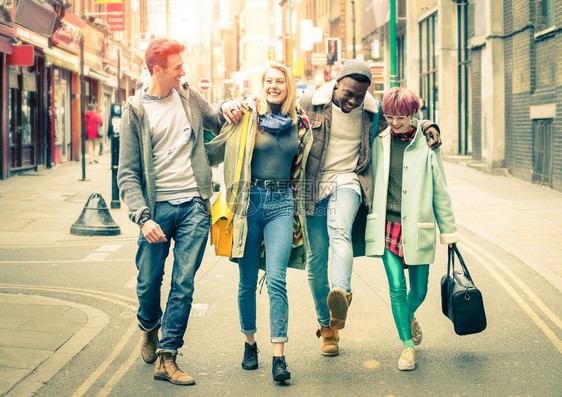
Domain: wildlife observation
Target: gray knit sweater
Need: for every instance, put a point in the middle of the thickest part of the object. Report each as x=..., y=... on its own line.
x=136, y=168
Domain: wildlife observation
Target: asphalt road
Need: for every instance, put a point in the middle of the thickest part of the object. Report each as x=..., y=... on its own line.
x=519, y=354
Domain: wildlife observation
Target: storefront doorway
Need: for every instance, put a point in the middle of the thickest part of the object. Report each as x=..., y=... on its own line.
x=23, y=120
x=63, y=118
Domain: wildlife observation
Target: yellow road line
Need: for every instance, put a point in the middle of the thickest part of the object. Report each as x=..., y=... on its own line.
x=526, y=308
x=117, y=299
x=107, y=362
x=107, y=296
x=120, y=372
x=521, y=284
x=63, y=261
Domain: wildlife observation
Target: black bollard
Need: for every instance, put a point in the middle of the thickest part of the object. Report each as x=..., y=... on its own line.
x=95, y=219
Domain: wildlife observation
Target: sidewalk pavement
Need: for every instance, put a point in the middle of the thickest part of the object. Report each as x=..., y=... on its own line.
x=40, y=207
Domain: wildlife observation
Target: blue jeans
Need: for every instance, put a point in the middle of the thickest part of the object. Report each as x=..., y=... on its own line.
x=188, y=225
x=270, y=218
x=330, y=227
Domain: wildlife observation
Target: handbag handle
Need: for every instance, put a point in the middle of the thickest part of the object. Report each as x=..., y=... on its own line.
x=236, y=184
x=451, y=261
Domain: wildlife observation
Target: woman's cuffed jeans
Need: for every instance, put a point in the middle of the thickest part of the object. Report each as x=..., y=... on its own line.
x=188, y=225
x=270, y=218
x=329, y=231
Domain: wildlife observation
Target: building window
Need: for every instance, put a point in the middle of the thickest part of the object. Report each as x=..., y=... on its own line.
x=545, y=14
x=428, y=66
x=542, y=151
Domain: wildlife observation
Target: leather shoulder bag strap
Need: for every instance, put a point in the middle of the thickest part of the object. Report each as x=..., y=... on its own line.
x=375, y=122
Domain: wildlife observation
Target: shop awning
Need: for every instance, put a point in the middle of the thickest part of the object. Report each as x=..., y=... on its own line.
x=101, y=76
x=62, y=59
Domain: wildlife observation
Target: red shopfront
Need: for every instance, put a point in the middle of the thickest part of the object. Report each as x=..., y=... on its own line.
x=6, y=34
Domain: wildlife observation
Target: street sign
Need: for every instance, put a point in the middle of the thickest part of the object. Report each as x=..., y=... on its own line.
x=204, y=84
x=319, y=58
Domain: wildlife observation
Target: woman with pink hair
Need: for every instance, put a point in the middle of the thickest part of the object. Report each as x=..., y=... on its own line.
x=410, y=197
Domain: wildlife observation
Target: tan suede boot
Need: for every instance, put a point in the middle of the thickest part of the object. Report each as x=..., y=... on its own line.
x=338, y=303
x=330, y=339
x=167, y=369
x=149, y=343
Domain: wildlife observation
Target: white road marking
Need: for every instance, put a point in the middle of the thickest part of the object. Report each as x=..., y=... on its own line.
x=132, y=283
x=198, y=309
x=95, y=257
x=108, y=248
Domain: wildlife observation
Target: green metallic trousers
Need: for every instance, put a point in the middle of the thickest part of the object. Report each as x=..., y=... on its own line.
x=404, y=303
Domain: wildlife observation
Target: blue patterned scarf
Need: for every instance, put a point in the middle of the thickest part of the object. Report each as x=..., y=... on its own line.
x=275, y=124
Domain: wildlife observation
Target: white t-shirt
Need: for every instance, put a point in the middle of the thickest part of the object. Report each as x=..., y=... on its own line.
x=172, y=143
x=343, y=152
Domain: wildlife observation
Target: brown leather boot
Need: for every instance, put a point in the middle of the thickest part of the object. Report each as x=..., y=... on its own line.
x=167, y=369
x=149, y=343
x=330, y=340
x=338, y=303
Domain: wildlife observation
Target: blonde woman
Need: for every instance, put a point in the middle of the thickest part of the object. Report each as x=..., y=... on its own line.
x=277, y=145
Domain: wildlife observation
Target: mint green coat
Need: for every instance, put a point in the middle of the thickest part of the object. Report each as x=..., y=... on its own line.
x=425, y=200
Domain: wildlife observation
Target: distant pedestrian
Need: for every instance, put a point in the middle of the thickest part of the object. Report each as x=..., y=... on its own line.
x=410, y=197
x=278, y=142
x=423, y=112
x=92, y=121
x=339, y=185
x=165, y=180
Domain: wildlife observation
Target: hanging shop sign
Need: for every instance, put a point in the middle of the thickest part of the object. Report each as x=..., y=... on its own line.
x=36, y=16
x=115, y=17
x=69, y=32
x=22, y=55
x=6, y=21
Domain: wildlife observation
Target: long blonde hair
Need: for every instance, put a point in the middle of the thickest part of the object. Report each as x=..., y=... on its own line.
x=289, y=105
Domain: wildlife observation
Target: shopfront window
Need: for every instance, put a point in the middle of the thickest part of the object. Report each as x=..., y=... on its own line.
x=26, y=118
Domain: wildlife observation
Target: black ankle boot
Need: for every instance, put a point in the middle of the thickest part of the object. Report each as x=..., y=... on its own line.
x=279, y=369
x=250, y=360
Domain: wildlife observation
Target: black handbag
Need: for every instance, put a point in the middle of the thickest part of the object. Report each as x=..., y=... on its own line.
x=461, y=301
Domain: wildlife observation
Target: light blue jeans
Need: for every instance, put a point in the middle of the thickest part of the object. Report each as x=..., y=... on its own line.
x=188, y=225
x=330, y=228
x=270, y=218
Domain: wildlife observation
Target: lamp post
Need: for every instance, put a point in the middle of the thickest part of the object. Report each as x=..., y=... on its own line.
x=115, y=119
x=82, y=100
x=353, y=26
x=392, y=39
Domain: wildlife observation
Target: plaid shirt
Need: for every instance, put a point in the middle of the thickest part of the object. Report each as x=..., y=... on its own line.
x=393, y=240
x=406, y=136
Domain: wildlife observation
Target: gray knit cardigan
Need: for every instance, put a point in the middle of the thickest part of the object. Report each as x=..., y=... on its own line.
x=136, y=168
